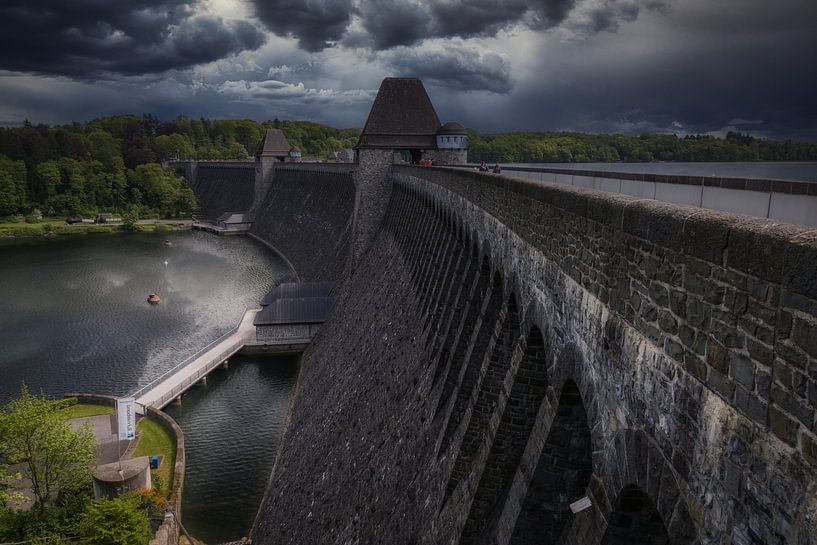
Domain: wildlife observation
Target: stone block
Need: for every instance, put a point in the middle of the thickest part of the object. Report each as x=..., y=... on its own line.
x=742, y=370
x=781, y=373
x=784, y=323
x=808, y=446
x=674, y=350
x=720, y=384
x=697, y=313
x=791, y=404
x=791, y=355
x=659, y=294
x=705, y=236
x=695, y=366
x=750, y=405
x=757, y=251
x=804, y=335
x=716, y=355
x=782, y=426
x=667, y=322
x=763, y=383
x=726, y=334
x=759, y=352
x=800, y=268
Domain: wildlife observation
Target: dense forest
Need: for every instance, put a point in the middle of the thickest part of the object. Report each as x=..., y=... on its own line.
x=539, y=147
x=113, y=163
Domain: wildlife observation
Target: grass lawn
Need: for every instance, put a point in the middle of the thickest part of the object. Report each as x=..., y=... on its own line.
x=152, y=439
x=82, y=410
x=54, y=226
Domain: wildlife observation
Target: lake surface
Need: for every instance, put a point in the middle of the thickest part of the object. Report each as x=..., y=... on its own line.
x=74, y=317
x=229, y=461
x=788, y=170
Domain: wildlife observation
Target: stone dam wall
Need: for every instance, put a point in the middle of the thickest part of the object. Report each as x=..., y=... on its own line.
x=505, y=348
x=307, y=217
x=222, y=186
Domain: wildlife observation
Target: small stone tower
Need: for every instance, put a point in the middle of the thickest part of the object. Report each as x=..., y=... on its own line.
x=452, y=144
x=274, y=149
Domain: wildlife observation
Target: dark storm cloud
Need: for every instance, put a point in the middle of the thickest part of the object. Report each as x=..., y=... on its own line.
x=391, y=23
x=699, y=74
x=384, y=24
x=316, y=24
x=455, y=67
x=83, y=38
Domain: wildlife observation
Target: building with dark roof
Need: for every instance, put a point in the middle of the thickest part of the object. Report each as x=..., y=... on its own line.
x=403, y=121
x=293, y=312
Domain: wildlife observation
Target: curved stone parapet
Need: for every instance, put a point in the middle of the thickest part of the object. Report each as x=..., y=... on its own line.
x=307, y=215
x=507, y=348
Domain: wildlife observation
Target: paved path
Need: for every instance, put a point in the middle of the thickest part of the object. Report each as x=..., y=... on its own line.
x=173, y=383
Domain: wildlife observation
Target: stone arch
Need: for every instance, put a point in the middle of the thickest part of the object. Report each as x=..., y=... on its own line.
x=635, y=519
x=461, y=386
x=511, y=439
x=489, y=399
x=457, y=302
x=562, y=473
x=467, y=315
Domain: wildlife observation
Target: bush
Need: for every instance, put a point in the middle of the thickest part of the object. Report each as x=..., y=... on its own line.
x=122, y=521
x=35, y=217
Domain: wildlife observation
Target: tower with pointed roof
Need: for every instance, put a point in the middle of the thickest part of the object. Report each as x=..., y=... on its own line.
x=402, y=127
x=275, y=148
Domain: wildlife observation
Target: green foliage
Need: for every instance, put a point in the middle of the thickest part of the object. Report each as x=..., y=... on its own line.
x=121, y=521
x=130, y=218
x=153, y=438
x=52, y=455
x=542, y=147
x=81, y=169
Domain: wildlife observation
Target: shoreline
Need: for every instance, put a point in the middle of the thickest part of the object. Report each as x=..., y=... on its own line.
x=50, y=230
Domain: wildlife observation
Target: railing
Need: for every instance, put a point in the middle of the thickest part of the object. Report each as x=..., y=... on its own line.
x=790, y=201
x=170, y=372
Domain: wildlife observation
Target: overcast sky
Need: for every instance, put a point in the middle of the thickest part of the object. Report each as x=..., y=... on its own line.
x=632, y=66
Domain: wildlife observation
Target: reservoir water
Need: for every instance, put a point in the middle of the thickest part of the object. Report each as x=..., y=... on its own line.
x=773, y=170
x=74, y=317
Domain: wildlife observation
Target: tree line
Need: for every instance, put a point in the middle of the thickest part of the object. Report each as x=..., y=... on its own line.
x=566, y=147
x=113, y=163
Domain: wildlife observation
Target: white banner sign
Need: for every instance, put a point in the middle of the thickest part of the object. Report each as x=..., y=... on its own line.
x=126, y=417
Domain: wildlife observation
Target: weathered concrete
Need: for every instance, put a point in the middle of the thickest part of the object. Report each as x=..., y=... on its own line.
x=306, y=215
x=505, y=348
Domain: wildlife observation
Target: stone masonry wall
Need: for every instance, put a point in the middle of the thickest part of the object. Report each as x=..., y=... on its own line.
x=505, y=348
x=223, y=187
x=307, y=217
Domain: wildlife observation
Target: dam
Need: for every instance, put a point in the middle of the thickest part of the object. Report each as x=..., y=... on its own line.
x=518, y=361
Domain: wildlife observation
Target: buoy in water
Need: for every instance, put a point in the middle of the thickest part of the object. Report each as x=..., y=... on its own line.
x=153, y=298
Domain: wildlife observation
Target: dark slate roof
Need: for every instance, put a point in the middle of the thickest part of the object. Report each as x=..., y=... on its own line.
x=452, y=127
x=295, y=310
x=236, y=217
x=298, y=290
x=275, y=143
x=402, y=117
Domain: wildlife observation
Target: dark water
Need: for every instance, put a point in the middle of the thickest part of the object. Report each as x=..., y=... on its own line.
x=74, y=317
x=229, y=461
x=775, y=170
